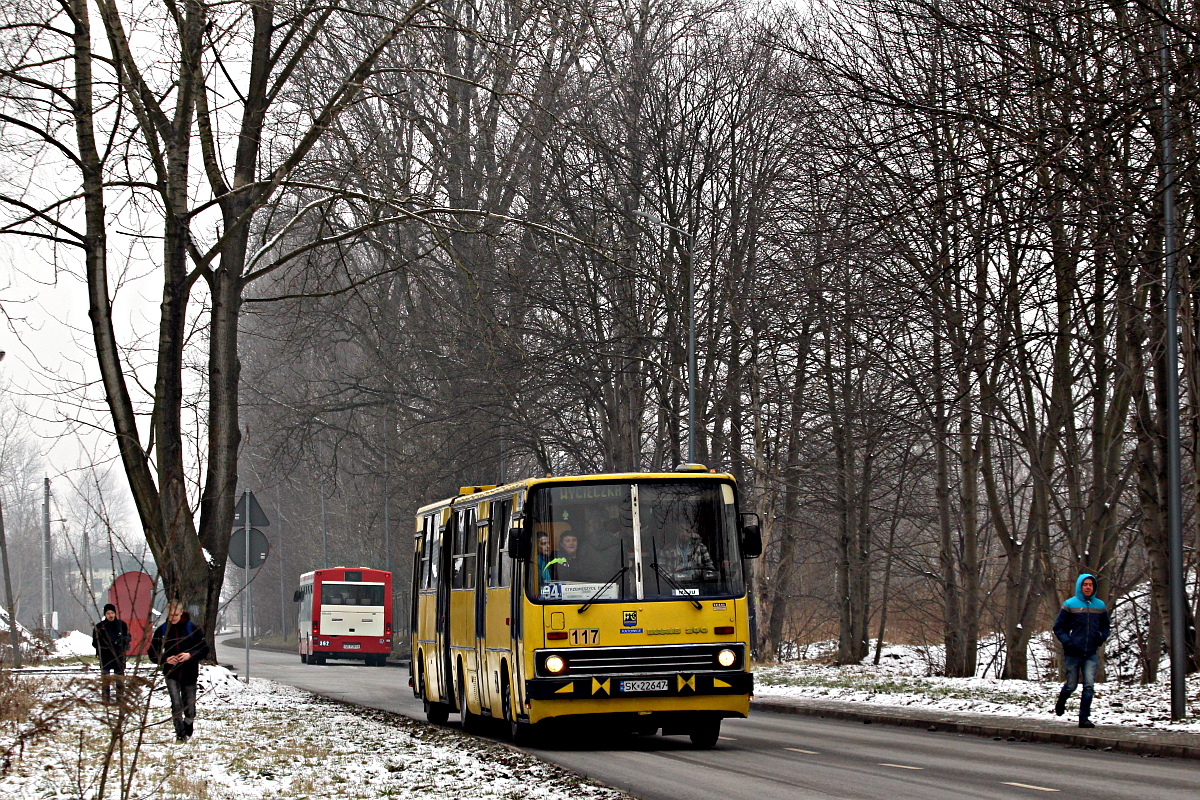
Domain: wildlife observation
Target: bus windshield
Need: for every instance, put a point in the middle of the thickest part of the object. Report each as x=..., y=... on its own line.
x=656, y=540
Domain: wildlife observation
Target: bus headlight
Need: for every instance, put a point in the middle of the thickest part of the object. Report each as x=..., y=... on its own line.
x=555, y=665
x=726, y=658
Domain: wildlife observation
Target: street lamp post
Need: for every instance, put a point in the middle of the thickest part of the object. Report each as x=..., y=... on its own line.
x=691, y=345
x=1177, y=596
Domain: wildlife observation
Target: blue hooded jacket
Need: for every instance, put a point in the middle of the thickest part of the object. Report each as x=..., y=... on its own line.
x=1082, y=624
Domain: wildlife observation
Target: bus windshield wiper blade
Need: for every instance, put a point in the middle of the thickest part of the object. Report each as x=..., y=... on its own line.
x=654, y=566
x=600, y=591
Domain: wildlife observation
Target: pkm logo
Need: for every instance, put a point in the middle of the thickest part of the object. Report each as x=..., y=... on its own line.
x=629, y=620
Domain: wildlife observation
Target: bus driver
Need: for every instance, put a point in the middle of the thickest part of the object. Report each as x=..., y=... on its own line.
x=688, y=559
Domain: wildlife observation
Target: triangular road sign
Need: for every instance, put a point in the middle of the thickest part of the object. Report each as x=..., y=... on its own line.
x=257, y=518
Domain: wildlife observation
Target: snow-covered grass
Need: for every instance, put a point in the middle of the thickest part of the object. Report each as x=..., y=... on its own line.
x=907, y=676
x=33, y=648
x=266, y=740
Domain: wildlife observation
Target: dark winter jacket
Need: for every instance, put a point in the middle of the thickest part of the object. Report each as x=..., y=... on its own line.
x=1082, y=624
x=110, y=639
x=171, y=640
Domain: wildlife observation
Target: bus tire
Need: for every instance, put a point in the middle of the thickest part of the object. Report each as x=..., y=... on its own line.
x=436, y=713
x=470, y=721
x=303, y=658
x=521, y=733
x=705, y=733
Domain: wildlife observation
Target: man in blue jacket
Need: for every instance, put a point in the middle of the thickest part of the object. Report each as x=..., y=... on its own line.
x=1082, y=626
x=178, y=647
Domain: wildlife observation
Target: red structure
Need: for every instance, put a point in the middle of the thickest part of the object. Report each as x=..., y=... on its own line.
x=133, y=595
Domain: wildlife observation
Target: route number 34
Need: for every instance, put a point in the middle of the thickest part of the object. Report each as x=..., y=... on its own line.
x=585, y=635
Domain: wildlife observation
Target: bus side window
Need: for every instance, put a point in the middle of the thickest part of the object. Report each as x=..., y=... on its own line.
x=456, y=563
x=427, y=532
x=465, y=551
x=499, y=565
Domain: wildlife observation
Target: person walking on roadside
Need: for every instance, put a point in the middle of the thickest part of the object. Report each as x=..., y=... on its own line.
x=110, y=639
x=178, y=647
x=1081, y=626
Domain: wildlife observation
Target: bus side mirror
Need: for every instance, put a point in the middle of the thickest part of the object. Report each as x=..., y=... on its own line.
x=297, y=595
x=751, y=536
x=520, y=546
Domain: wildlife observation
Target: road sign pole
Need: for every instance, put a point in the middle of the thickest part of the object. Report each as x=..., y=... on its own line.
x=246, y=515
x=246, y=586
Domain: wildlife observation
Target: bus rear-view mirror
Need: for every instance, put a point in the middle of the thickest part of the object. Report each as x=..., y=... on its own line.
x=297, y=595
x=751, y=536
x=520, y=546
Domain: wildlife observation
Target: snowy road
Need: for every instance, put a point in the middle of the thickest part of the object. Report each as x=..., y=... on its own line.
x=773, y=756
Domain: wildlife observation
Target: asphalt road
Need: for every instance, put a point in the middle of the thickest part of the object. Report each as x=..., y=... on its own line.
x=773, y=756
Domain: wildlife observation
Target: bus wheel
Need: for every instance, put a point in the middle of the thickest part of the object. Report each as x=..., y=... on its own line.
x=437, y=713
x=705, y=734
x=520, y=732
x=470, y=721
x=303, y=658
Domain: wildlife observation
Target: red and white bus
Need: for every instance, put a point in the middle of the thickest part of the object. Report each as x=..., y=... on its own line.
x=345, y=612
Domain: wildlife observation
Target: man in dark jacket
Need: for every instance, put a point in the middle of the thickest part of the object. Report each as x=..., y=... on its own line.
x=110, y=639
x=178, y=647
x=1081, y=626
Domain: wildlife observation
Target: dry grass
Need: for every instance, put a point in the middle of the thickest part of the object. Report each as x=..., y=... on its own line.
x=184, y=787
x=29, y=712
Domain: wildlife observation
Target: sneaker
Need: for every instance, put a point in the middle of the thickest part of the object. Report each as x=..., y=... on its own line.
x=1083, y=723
x=1060, y=705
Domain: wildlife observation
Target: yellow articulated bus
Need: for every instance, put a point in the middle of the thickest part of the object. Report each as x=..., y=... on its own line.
x=619, y=598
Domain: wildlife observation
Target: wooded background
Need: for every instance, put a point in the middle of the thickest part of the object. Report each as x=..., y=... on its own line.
x=927, y=245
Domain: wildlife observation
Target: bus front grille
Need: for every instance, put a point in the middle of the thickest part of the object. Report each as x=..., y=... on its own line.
x=641, y=660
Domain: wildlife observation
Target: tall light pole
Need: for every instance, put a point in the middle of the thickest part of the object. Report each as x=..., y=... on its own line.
x=1178, y=601
x=691, y=345
x=47, y=600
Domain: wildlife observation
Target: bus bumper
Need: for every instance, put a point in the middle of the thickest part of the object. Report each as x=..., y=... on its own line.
x=670, y=685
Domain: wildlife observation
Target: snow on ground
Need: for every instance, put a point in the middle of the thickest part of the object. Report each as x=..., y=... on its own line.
x=267, y=740
x=907, y=676
x=73, y=644
x=30, y=646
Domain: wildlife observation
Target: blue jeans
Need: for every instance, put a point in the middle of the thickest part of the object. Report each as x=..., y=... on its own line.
x=1075, y=666
x=183, y=700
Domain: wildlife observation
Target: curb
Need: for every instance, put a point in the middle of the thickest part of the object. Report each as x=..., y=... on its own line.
x=1096, y=741
x=273, y=648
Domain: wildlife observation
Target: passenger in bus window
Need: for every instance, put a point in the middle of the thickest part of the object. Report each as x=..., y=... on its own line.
x=545, y=558
x=607, y=537
x=688, y=559
x=568, y=567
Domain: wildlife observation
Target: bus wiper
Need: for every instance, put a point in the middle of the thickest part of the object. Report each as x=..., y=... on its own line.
x=600, y=591
x=662, y=573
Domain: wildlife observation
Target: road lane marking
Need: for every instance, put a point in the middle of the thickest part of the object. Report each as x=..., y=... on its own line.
x=806, y=752
x=727, y=738
x=900, y=766
x=1027, y=786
